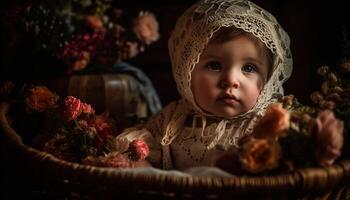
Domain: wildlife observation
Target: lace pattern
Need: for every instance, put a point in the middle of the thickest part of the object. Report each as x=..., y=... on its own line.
x=197, y=25
x=192, y=33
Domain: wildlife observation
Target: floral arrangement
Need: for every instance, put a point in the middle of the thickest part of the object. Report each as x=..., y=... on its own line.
x=72, y=131
x=291, y=135
x=86, y=33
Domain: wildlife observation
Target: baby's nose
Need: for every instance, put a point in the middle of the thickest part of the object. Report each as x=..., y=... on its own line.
x=230, y=79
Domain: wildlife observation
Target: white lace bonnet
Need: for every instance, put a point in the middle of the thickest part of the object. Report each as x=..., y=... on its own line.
x=197, y=25
x=192, y=33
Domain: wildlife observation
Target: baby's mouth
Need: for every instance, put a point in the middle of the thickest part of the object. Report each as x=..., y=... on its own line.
x=229, y=99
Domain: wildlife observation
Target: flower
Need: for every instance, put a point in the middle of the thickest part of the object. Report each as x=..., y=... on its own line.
x=146, y=27
x=316, y=97
x=273, y=123
x=138, y=150
x=40, y=99
x=104, y=126
x=87, y=109
x=345, y=66
x=329, y=133
x=71, y=108
x=94, y=22
x=81, y=35
x=259, y=155
x=115, y=159
x=323, y=71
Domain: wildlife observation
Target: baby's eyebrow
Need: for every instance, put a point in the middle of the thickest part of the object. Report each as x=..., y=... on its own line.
x=251, y=59
x=210, y=56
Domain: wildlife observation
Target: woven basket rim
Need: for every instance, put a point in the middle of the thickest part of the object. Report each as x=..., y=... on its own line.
x=301, y=180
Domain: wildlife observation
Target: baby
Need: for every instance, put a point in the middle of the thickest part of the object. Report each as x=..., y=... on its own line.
x=229, y=59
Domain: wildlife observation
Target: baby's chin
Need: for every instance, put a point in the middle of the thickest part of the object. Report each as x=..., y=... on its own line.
x=227, y=114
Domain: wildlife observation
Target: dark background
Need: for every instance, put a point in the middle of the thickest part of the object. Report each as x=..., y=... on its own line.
x=315, y=29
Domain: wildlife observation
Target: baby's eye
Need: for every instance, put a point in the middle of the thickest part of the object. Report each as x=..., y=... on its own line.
x=249, y=68
x=214, y=65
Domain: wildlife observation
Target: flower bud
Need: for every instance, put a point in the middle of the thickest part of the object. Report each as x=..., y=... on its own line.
x=324, y=70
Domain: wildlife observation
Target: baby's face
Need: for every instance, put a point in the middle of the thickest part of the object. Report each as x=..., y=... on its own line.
x=229, y=77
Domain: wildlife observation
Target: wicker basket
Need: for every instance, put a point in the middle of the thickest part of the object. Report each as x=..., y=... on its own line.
x=74, y=181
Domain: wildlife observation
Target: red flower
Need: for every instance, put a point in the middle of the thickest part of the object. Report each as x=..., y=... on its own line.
x=138, y=150
x=71, y=108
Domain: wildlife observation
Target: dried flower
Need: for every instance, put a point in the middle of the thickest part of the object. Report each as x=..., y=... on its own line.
x=316, y=97
x=87, y=109
x=94, y=22
x=345, y=66
x=273, y=123
x=105, y=127
x=259, y=155
x=83, y=37
x=327, y=105
x=114, y=159
x=288, y=100
x=334, y=97
x=325, y=88
x=332, y=77
x=337, y=89
x=146, y=27
x=40, y=98
x=71, y=108
x=138, y=150
x=324, y=70
x=82, y=62
x=329, y=132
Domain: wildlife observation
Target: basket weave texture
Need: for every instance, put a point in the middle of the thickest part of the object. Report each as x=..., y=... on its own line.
x=82, y=180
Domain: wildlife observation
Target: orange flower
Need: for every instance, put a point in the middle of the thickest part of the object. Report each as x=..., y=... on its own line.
x=329, y=132
x=94, y=21
x=40, y=99
x=146, y=27
x=82, y=62
x=259, y=155
x=273, y=123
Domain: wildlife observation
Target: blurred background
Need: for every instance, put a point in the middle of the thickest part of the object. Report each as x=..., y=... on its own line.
x=319, y=32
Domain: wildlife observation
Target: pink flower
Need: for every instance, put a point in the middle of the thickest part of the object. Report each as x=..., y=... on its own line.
x=87, y=109
x=71, y=108
x=329, y=132
x=138, y=150
x=146, y=27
